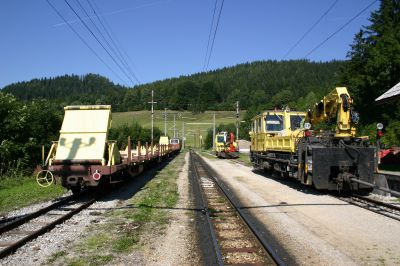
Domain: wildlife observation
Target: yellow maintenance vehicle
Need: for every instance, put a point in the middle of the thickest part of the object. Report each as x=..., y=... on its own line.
x=226, y=146
x=287, y=142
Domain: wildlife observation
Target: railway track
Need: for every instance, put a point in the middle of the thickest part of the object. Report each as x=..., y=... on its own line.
x=16, y=233
x=235, y=240
x=382, y=208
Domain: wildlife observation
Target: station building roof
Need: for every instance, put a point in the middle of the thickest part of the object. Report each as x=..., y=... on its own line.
x=391, y=95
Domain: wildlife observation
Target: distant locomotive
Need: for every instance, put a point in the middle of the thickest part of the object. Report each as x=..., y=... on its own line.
x=286, y=142
x=225, y=145
x=175, y=144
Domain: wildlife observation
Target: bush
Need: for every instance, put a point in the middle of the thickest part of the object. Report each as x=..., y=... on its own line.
x=24, y=129
x=136, y=132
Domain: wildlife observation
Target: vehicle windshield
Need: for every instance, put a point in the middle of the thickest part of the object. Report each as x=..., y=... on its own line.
x=174, y=141
x=274, y=122
x=296, y=121
x=220, y=139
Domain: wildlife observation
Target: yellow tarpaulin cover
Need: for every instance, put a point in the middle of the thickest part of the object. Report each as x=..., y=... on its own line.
x=83, y=133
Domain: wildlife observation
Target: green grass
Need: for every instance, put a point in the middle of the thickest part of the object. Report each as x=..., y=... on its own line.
x=161, y=192
x=125, y=242
x=16, y=192
x=245, y=157
x=56, y=256
x=192, y=131
x=208, y=154
x=93, y=260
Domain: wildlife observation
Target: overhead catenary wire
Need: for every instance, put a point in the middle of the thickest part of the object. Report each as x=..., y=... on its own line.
x=209, y=35
x=310, y=29
x=97, y=39
x=215, y=33
x=110, y=34
x=83, y=40
x=107, y=43
x=338, y=30
x=112, y=50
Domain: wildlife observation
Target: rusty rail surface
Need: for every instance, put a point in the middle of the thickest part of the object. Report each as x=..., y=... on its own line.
x=383, y=208
x=9, y=249
x=236, y=241
x=19, y=221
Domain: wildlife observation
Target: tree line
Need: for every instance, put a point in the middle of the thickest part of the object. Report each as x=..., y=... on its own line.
x=263, y=83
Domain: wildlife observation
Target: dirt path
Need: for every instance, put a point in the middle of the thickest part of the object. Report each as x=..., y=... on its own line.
x=314, y=228
x=177, y=246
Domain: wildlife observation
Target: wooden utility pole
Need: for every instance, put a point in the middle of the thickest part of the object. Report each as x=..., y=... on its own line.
x=152, y=116
x=183, y=135
x=213, y=140
x=165, y=121
x=237, y=120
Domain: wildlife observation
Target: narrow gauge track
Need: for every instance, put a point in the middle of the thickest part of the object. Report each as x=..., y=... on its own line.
x=236, y=242
x=382, y=208
x=18, y=232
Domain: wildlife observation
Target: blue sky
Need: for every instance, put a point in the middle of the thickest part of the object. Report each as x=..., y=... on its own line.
x=168, y=38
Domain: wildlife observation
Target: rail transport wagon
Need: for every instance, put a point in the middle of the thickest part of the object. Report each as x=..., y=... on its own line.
x=85, y=157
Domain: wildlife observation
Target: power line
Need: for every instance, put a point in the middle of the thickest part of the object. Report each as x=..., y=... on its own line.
x=118, y=56
x=96, y=28
x=83, y=40
x=338, y=30
x=215, y=33
x=101, y=44
x=105, y=39
x=209, y=35
x=310, y=29
x=110, y=35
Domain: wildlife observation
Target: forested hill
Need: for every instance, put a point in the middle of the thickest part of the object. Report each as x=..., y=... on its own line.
x=264, y=83
x=69, y=89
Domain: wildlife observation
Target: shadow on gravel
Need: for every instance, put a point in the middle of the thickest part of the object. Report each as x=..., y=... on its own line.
x=291, y=182
x=127, y=189
x=131, y=206
x=284, y=204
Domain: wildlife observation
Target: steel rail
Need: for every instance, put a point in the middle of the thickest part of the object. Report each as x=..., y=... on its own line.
x=263, y=243
x=357, y=200
x=381, y=203
x=206, y=212
x=13, y=247
x=19, y=221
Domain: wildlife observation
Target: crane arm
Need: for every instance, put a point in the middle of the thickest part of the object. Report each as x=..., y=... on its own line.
x=335, y=104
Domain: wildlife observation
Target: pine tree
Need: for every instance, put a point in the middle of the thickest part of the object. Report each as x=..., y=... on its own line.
x=374, y=65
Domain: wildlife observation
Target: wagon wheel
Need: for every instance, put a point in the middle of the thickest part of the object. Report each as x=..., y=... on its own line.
x=45, y=178
x=132, y=172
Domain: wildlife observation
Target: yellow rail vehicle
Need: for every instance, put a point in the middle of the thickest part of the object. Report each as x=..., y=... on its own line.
x=286, y=141
x=276, y=131
x=226, y=146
